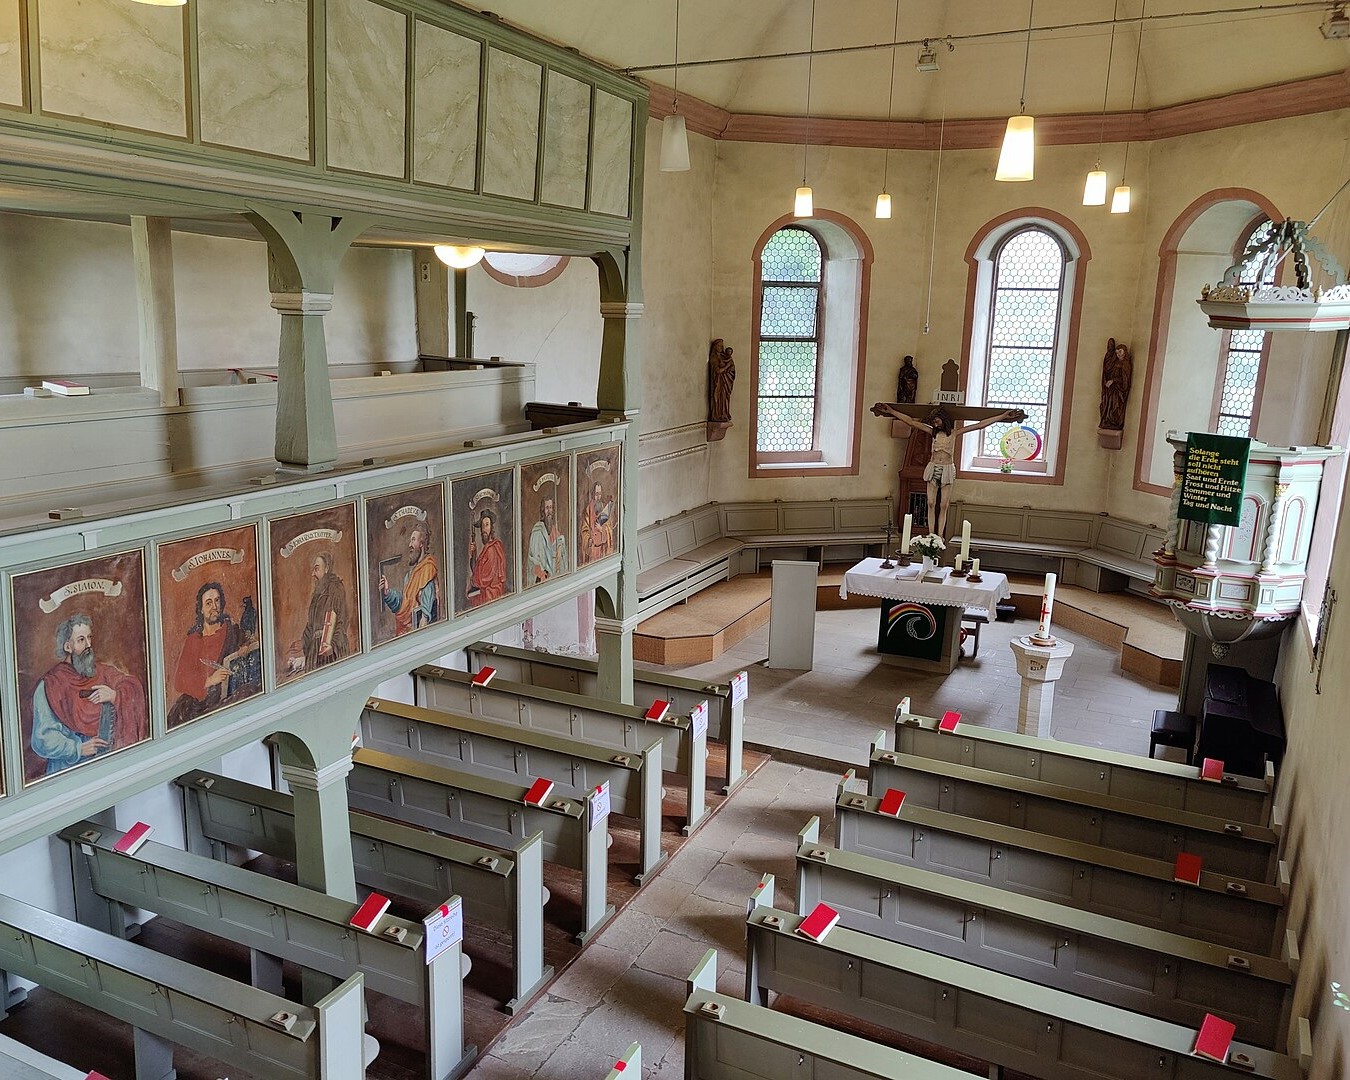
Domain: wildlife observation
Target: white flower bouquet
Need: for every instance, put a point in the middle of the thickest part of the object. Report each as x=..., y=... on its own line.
x=927, y=546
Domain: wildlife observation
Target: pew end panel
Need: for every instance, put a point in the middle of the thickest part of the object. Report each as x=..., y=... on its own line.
x=631, y=1059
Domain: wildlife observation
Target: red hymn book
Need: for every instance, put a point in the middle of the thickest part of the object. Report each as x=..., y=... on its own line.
x=891, y=802
x=819, y=923
x=1187, y=869
x=484, y=676
x=1211, y=769
x=539, y=791
x=1214, y=1038
x=133, y=838
x=658, y=711
x=369, y=913
x=949, y=721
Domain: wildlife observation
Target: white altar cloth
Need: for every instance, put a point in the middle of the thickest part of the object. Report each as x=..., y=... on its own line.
x=868, y=579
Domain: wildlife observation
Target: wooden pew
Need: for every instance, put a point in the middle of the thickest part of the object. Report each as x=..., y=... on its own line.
x=169, y=1001
x=499, y=889
x=1243, y=851
x=1127, y=776
x=1225, y=910
x=684, y=749
x=1008, y=1021
x=726, y=1038
x=19, y=1062
x=518, y=755
x=277, y=920
x=1109, y=960
x=488, y=811
x=628, y=1067
x=579, y=675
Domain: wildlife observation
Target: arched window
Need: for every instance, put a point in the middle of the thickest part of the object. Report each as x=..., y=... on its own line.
x=1243, y=355
x=808, y=337
x=1026, y=282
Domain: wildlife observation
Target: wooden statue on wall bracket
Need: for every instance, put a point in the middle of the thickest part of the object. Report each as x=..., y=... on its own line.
x=907, y=382
x=1117, y=374
x=721, y=380
x=943, y=421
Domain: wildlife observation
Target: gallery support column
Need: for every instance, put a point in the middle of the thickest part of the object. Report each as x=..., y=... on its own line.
x=614, y=644
x=152, y=253
x=323, y=848
x=304, y=250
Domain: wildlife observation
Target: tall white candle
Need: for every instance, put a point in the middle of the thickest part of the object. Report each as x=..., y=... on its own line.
x=1047, y=603
x=965, y=539
x=904, y=536
x=974, y=567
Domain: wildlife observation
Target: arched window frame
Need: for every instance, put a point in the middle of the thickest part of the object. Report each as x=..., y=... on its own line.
x=845, y=289
x=980, y=258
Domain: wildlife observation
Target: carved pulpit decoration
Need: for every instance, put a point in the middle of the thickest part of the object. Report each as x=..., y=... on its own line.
x=929, y=466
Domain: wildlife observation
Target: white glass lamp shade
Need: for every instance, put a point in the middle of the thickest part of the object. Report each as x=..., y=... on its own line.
x=804, y=205
x=1120, y=200
x=674, y=144
x=1017, y=160
x=459, y=256
x=1094, y=191
x=883, y=205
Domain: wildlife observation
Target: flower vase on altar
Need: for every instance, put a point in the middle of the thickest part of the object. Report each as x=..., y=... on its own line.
x=929, y=564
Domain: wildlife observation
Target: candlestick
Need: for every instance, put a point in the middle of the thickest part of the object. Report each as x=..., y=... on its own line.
x=904, y=534
x=1047, y=604
x=965, y=539
x=974, y=567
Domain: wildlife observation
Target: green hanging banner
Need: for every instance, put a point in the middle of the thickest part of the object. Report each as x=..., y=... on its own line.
x=1213, y=476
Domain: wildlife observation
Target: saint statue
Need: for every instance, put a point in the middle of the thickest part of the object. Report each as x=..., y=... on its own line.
x=1117, y=372
x=721, y=378
x=907, y=384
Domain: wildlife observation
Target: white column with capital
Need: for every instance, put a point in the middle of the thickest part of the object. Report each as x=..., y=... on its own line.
x=1040, y=667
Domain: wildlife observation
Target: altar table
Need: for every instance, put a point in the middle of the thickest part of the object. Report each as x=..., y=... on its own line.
x=921, y=620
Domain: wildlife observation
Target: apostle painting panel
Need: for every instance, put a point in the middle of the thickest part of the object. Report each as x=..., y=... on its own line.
x=81, y=659
x=485, y=536
x=314, y=599
x=208, y=619
x=546, y=509
x=405, y=549
x=598, y=504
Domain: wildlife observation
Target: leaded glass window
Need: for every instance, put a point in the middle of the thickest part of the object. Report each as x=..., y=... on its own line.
x=789, y=342
x=1242, y=360
x=1024, y=318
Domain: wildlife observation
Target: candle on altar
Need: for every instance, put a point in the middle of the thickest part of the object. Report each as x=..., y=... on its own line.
x=965, y=539
x=904, y=535
x=1047, y=603
x=956, y=564
x=974, y=567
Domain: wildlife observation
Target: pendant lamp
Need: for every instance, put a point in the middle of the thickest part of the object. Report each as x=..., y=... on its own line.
x=1094, y=189
x=1120, y=199
x=804, y=203
x=1017, y=160
x=674, y=136
x=883, y=211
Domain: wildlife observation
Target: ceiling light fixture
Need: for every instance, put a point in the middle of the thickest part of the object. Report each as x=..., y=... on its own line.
x=1120, y=198
x=804, y=203
x=674, y=135
x=884, y=199
x=1017, y=159
x=1094, y=190
x=459, y=256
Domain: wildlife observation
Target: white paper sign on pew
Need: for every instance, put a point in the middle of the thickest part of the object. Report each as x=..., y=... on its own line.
x=599, y=805
x=444, y=927
x=698, y=720
x=740, y=687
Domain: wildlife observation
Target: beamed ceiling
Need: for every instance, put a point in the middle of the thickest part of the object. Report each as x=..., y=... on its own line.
x=1192, y=50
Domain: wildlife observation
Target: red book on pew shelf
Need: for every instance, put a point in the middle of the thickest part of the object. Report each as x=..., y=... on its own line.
x=539, y=791
x=819, y=923
x=1187, y=869
x=133, y=838
x=95, y=1076
x=1214, y=1038
x=484, y=676
x=368, y=914
x=658, y=711
x=1211, y=769
x=891, y=802
x=949, y=721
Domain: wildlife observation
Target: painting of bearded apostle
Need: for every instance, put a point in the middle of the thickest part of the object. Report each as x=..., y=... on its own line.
x=405, y=541
x=316, y=620
x=598, y=504
x=81, y=661
x=208, y=618
x=546, y=502
x=483, y=517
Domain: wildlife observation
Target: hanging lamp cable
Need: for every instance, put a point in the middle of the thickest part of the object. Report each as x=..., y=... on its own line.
x=810, y=66
x=932, y=240
x=1026, y=61
x=890, y=103
x=1106, y=90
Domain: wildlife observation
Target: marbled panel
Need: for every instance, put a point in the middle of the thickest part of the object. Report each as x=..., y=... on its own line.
x=611, y=154
x=511, y=137
x=11, y=55
x=367, y=87
x=253, y=58
x=114, y=62
x=445, y=107
x=567, y=123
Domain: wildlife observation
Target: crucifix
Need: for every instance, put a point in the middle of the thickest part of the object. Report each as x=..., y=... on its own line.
x=945, y=420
